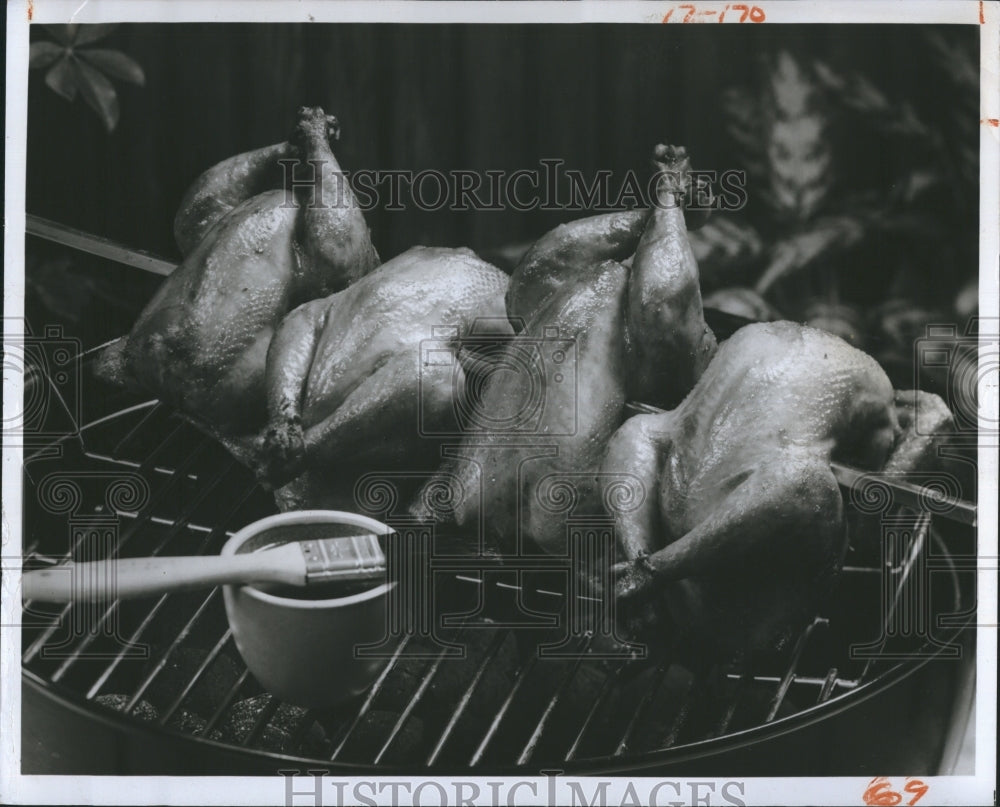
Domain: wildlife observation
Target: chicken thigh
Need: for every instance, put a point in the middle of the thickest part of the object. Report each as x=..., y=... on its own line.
x=669, y=343
x=200, y=343
x=368, y=379
x=742, y=530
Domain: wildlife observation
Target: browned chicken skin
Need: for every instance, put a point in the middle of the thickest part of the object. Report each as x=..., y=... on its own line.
x=580, y=358
x=669, y=343
x=200, y=343
x=347, y=388
x=742, y=526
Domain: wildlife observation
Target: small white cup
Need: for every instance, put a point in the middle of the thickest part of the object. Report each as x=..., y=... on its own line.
x=304, y=651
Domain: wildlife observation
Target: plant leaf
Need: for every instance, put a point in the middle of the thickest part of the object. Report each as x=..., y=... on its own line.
x=800, y=250
x=42, y=54
x=86, y=34
x=62, y=79
x=63, y=34
x=99, y=93
x=115, y=64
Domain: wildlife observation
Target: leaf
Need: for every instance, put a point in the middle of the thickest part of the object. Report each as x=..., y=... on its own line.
x=115, y=64
x=63, y=34
x=800, y=250
x=99, y=93
x=62, y=79
x=86, y=34
x=42, y=54
x=829, y=77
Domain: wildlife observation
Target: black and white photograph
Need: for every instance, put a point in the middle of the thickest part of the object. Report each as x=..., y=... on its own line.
x=500, y=403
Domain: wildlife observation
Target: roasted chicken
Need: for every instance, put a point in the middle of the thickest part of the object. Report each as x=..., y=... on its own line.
x=595, y=332
x=251, y=256
x=741, y=528
x=368, y=379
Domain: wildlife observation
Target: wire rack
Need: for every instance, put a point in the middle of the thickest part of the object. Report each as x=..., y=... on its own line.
x=143, y=481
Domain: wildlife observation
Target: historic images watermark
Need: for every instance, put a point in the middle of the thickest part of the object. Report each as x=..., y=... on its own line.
x=314, y=788
x=548, y=187
x=48, y=361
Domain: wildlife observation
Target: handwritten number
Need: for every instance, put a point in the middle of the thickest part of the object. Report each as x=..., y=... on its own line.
x=754, y=13
x=917, y=787
x=878, y=793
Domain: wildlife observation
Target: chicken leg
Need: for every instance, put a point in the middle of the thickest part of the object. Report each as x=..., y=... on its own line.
x=669, y=341
x=201, y=342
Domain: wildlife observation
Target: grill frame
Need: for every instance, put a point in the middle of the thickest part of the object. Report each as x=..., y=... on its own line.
x=252, y=760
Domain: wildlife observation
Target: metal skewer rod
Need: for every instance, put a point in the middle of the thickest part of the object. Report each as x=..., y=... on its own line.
x=95, y=245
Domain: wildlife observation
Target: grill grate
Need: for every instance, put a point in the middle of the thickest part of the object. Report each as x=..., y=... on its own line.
x=499, y=706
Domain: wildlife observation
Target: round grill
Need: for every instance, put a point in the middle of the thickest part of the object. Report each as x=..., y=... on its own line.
x=142, y=481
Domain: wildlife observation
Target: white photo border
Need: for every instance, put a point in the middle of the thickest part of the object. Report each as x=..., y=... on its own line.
x=208, y=790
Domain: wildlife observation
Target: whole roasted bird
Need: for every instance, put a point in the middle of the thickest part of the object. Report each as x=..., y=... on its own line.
x=368, y=379
x=595, y=332
x=254, y=250
x=741, y=528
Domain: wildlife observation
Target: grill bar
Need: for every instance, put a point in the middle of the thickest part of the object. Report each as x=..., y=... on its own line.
x=195, y=677
x=916, y=547
x=184, y=633
x=138, y=428
x=133, y=640
x=536, y=735
x=606, y=688
x=727, y=715
x=786, y=681
x=522, y=676
x=647, y=696
x=466, y=698
x=828, y=684
x=370, y=698
x=415, y=699
x=681, y=718
x=224, y=704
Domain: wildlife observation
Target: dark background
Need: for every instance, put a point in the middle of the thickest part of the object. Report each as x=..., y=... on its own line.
x=461, y=96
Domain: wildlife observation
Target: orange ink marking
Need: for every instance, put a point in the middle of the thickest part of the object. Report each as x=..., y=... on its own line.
x=917, y=787
x=753, y=13
x=994, y=122
x=982, y=16
x=31, y=10
x=879, y=793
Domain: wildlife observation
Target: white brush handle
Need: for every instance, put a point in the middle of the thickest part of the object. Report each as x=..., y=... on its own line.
x=144, y=577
